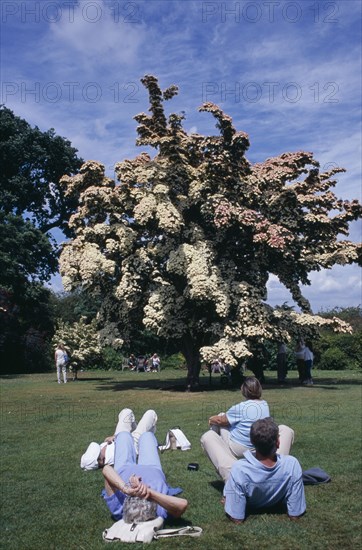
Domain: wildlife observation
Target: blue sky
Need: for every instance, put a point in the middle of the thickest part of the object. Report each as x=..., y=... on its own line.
x=288, y=72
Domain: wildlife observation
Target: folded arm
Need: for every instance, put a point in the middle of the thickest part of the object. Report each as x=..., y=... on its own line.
x=113, y=482
x=219, y=420
x=175, y=506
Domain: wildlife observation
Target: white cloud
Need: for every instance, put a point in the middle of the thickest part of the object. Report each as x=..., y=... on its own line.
x=340, y=286
x=105, y=42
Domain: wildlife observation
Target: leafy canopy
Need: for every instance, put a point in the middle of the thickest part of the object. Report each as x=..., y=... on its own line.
x=31, y=200
x=31, y=204
x=185, y=241
x=32, y=163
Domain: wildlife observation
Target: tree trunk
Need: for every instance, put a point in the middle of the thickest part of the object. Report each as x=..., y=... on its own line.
x=190, y=350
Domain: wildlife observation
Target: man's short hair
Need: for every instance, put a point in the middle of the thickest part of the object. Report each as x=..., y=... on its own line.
x=137, y=510
x=264, y=435
x=251, y=388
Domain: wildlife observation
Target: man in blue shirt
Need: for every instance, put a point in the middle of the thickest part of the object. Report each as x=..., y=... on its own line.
x=263, y=478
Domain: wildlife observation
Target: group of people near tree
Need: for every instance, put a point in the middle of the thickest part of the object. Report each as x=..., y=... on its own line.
x=144, y=363
x=248, y=449
x=62, y=360
x=304, y=358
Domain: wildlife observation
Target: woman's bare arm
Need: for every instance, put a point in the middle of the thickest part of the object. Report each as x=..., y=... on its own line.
x=219, y=420
x=176, y=506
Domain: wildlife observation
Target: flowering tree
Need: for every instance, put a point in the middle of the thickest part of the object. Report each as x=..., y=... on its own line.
x=185, y=242
x=81, y=342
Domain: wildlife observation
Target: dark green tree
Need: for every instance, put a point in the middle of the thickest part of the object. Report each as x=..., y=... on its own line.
x=71, y=307
x=32, y=163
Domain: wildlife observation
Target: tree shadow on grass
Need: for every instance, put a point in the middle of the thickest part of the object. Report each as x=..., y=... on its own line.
x=91, y=379
x=320, y=383
x=13, y=376
x=178, y=385
x=164, y=385
x=170, y=385
x=337, y=382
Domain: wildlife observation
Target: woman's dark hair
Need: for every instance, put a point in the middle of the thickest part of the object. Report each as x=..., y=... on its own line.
x=251, y=388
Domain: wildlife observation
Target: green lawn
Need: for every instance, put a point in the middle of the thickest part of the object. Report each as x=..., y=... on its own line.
x=49, y=503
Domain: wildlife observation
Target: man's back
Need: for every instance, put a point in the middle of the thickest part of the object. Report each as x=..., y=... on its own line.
x=254, y=484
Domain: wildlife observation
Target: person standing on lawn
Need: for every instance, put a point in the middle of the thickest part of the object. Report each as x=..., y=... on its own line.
x=299, y=355
x=155, y=363
x=308, y=364
x=282, y=362
x=264, y=479
x=61, y=360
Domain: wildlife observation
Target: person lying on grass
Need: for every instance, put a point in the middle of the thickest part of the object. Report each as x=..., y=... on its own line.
x=138, y=491
x=264, y=479
x=98, y=455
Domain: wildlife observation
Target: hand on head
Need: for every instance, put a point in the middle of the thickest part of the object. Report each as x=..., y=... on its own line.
x=138, y=488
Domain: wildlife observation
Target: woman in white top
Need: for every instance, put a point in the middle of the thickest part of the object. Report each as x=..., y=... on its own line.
x=60, y=357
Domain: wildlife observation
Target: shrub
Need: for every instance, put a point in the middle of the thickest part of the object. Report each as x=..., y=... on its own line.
x=334, y=359
x=112, y=359
x=348, y=346
x=175, y=361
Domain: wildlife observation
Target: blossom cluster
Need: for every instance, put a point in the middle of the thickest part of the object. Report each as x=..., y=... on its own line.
x=81, y=341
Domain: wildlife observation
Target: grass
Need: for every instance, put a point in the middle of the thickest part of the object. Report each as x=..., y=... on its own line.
x=47, y=502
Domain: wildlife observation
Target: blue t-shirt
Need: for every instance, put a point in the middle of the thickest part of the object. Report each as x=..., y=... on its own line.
x=151, y=476
x=242, y=416
x=258, y=486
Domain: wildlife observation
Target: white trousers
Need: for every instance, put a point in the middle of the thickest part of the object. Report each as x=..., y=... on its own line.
x=127, y=423
x=62, y=368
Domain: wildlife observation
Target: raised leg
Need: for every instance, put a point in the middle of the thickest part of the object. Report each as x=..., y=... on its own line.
x=126, y=421
x=286, y=439
x=146, y=424
x=218, y=452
